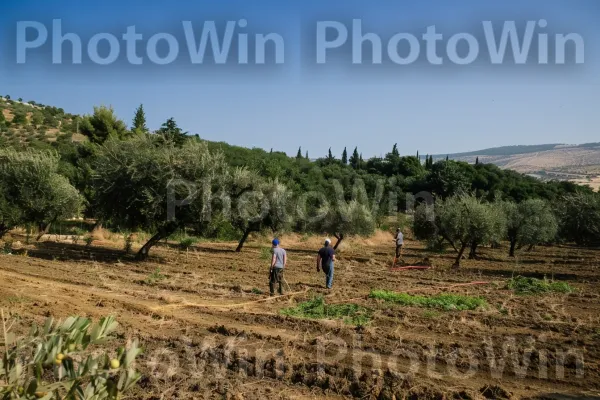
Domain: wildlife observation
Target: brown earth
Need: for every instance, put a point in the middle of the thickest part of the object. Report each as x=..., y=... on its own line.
x=208, y=333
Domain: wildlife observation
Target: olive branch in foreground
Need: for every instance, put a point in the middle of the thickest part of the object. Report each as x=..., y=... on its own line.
x=54, y=362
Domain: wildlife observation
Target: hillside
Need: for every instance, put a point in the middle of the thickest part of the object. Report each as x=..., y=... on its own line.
x=34, y=124
x=576, y=163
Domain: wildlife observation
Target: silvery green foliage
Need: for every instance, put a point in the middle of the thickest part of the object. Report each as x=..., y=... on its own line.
x=579, y=218
x=143, y=183
x=32, y=191
x=55, y=361
x=134, y=179
x=462, y=220
x=253, y=204
x=529, y=223
x=343, y=219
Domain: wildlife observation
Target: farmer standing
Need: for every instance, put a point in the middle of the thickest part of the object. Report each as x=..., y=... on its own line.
x=278, y=262
x=325, y=259
x=399, y=239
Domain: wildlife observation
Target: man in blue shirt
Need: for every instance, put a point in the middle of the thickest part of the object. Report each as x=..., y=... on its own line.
x=278, y=262
x=325, y=259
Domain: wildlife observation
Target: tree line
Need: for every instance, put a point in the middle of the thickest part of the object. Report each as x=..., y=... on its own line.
x=130, y=178
x=465, y=222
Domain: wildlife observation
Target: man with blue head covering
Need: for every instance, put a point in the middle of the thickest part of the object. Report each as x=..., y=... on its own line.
x=278, y=262
x=325, y=259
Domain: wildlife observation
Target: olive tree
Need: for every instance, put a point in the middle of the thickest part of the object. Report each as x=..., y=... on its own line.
x=463, y=221
x=345, y=219
x=32, y=192
x=140, y=184
x=256, y=204
x=579, y=218
x=529, y=223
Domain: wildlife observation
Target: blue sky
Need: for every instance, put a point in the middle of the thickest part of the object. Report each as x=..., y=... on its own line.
x=431, y=108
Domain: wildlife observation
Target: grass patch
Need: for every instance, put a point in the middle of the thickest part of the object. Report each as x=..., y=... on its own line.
x=431, y=314
x=154, y=277
x=316, y=308
x=257, y=291
x=15, y=300
x=523, y=285
x=446, y=302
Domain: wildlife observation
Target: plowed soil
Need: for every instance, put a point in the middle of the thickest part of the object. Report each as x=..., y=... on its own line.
x=210, y=330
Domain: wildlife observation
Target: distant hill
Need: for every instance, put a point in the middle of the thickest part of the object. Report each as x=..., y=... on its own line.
x=503, y=151
x=576, y=163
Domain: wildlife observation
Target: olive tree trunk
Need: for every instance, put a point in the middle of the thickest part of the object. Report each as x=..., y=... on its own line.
x=339, y=237
x=3, y=230
x=43, y=229
x=460, y=255
x=513, y=245
x=473, y=251
x=162, y=233
x=243, y=240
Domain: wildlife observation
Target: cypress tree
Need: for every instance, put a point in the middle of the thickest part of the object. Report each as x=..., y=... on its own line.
x=139, y=121
x=354, y=158
x=307, y=154
x=345, y=157
x=299, y=154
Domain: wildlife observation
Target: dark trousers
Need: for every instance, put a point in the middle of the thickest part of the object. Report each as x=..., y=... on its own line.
x=398, y=250
x=276, y=277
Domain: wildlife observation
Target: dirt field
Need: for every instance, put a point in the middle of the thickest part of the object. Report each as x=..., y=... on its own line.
x=208, y=332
